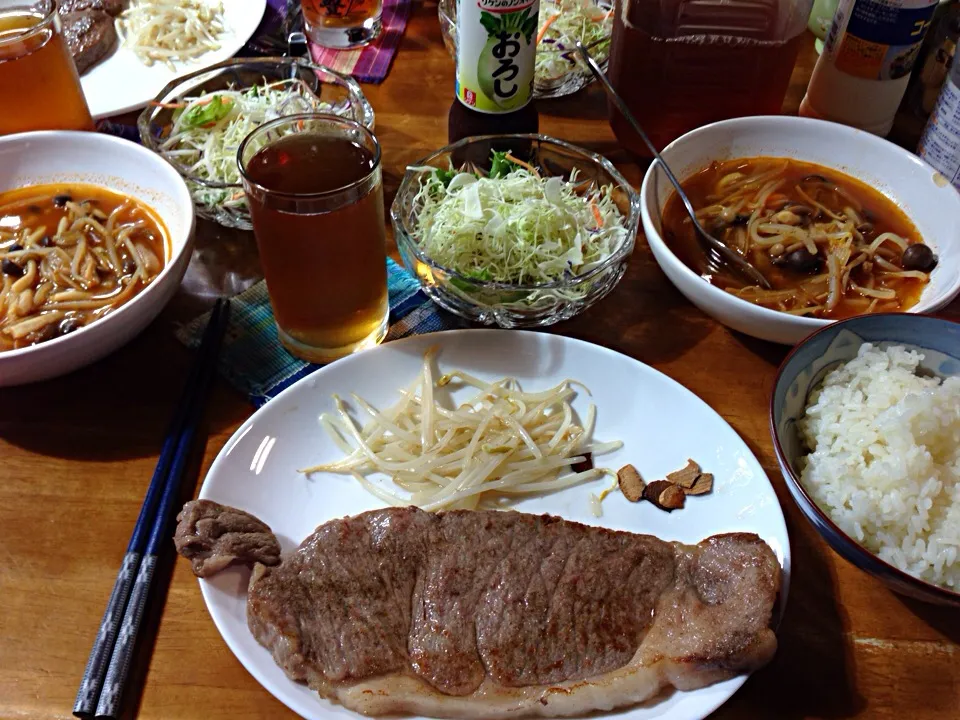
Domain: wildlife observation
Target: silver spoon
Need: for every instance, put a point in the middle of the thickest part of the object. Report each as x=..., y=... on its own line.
x=717, y=253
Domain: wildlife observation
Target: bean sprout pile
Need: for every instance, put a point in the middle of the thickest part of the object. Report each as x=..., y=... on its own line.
x=498, y=446
x=171, y=31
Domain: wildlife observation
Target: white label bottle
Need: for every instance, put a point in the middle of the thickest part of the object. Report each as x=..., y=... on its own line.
x=869, y=52
x=940, y=144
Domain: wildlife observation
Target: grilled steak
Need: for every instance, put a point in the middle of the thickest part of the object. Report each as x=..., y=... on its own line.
x=220, y=536
x=90, y=36
x=110, y=7
x=492, y=614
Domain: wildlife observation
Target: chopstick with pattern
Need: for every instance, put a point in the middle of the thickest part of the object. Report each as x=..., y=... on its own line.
x=142, y=548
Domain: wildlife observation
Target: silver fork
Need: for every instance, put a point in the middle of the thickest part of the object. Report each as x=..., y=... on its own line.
x=716, y=254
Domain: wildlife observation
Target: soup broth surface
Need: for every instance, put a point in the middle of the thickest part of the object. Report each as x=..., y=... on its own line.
x=777, y=211
x=70, y=254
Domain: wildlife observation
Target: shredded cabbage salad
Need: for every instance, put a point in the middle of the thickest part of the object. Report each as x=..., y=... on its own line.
x=208, y=129
x=512, y=225
x=562, y=23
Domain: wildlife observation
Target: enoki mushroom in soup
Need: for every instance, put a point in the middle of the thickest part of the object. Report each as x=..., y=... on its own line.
x=830, y=245
x=70, y=254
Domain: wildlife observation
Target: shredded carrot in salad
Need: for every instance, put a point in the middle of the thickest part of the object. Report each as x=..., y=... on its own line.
x=597, y=214
x=546, y=26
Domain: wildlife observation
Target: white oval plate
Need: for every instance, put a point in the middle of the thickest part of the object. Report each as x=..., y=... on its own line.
x=660, y=422
x=122, y=83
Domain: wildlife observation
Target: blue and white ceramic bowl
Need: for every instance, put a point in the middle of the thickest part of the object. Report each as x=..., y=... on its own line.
x=806, y=366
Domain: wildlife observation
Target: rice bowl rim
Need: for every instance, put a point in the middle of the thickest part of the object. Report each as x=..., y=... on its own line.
x=945, y=595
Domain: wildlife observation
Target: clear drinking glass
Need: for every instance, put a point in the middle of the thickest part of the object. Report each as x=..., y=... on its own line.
x=342, y=23
x=314, y=189
x=39, y=85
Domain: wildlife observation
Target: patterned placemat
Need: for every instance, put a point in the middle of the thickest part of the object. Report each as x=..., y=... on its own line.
x=369, y=64
x=255, y=362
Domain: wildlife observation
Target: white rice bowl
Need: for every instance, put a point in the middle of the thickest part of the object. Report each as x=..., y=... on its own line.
x=885, y=460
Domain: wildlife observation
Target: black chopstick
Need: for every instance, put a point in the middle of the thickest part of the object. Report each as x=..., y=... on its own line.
x=166, y=480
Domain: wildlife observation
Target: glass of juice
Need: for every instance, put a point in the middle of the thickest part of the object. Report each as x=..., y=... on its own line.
x=37, y=73
x=342, y=23
x=313, y=184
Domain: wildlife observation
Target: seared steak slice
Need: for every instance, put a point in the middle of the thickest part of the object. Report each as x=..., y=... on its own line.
x=529, y=600
x=90, y=36
x=212, y=537
x=493, y=614
x=110, y=7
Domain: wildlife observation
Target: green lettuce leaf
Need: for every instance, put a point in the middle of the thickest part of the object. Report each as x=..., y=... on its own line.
x=500, y=165
x=445, y=176
x=214, y=111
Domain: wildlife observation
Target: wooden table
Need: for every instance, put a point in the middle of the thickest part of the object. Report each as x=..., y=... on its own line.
x=78, y=453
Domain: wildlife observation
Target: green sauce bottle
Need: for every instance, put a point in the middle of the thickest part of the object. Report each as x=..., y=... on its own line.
x=496, y=50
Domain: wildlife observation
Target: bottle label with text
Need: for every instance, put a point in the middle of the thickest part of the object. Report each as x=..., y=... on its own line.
x=940, y=144
x=496, y=49
x=878, y=39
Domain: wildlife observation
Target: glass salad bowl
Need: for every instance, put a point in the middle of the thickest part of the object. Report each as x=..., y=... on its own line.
x=178, y=129
x=468, y=292
x=558, y=71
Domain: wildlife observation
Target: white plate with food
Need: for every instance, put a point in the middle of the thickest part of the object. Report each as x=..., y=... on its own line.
x=640, y=418
x=121, y=62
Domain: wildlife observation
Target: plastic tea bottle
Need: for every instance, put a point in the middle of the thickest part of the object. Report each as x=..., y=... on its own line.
x=940, y=144
x=496, y=49
x=863, y=72
x=680, y=64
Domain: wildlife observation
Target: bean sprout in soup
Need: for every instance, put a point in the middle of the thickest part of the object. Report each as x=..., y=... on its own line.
x=829, y=245
x=70, y=254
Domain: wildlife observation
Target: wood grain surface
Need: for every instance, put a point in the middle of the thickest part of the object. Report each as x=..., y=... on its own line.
x=77, y=453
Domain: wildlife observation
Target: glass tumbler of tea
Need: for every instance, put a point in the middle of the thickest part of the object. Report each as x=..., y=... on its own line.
x=314, y=188
x=39, y=85
x=342, y=23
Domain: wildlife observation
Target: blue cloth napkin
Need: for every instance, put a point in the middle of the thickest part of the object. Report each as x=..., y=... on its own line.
x=255, y=362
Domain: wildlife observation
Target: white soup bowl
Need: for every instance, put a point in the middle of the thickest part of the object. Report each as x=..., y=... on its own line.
x=38, y=158
x=923, y=194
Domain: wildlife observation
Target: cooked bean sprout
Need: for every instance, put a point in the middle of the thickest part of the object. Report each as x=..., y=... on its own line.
x=171, y=31
x=66, y=261
x=501, y=444
x=829, y=245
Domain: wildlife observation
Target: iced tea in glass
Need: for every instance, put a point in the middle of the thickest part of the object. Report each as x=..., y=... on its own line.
x=313, y=184
x=39, y=85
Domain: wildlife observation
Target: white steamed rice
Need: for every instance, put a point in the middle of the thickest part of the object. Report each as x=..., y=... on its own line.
x=886, y=460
